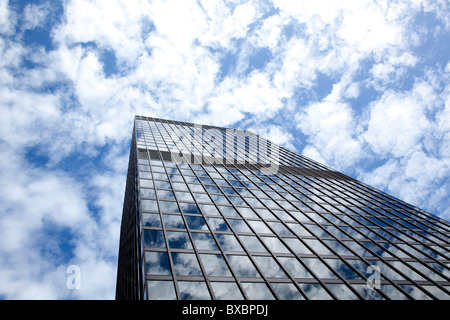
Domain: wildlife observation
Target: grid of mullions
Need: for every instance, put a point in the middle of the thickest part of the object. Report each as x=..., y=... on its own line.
x=239, y=234
x=215, y=142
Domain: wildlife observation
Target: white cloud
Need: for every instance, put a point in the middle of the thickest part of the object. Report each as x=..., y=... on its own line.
x=398, y=121
x=34, y=15
x=7, y=18
x=111, y=24
x=33, y=200
x=417, y=178
x=332, y=130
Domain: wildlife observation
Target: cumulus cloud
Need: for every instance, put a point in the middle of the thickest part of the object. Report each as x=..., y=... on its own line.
x=332, y=131
x=34, y=15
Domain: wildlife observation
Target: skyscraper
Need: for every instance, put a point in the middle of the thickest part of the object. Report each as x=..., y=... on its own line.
x=216, y=213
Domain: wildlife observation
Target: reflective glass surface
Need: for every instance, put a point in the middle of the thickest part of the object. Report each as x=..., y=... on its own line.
x=231, y=230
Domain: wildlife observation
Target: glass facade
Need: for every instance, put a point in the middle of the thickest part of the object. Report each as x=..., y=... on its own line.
x=216, y=213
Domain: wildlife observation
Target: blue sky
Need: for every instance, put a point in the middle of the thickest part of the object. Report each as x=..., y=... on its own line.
x=360, y=86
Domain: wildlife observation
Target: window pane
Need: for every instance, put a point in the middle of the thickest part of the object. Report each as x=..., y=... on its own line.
x=147, y=193
x=215, y=265
x=269, y=267
x=151, y=220
x=252, y=244
x=193, y=290
x=149, y=205
x=144, y=183
x=167, y=206
x=161, y=290
x=287, y=291
x=367, y=293
x=247, y=212
x=259, y=227
x=226, y=291
x=265, y=214
x=275, y=245
x=184, y=196
x=189, y=208
x=242, y=266
x=228, y=242
x=185, y=264
x=209, y=210
x=257, y=291
x=162, y=185
x=239, y=225
x=178, y=240
x=342, y=292
x=315, y=291
x=180, y=186
x=228, y=211
x=345, y=271
x=297, y=246
x=204, y=241
x=165, y=195
x=317, y=267
x=154, y=239
x=218, y=224
x=196, y=222
x=279, y=228
x=157, y=263
x=317, y=246
x=173, y=221
x=294, y=267
x=298, y=229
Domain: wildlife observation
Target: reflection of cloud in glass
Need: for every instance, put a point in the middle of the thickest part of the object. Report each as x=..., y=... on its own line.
x=269, y=267
x=317, y=246
x=242, y=266
x=415, y=292
x=340, y=267
x=315, y=291
x=318, y=268
x=298, y=229
x=279, y=228
x=367, y=293
x=185, y=264
x=437, y=292
x=228, y=242
x=161, y=290
x=196, y=222
x=287, y=291
x=257, y=291
x=154, y=239
x=204, y=241
x=173, y=221
x=297, y=246
x=178, y=240
x=342, y=292
x=294, y=267
x=252, y=244
x=215, y=265
x=151, y=220
x=259, y=227
x=193, y=290
x=228, y=211
x=157, y=263
x=239, y=225
x=393, y=293
x=275, y=245
x=209, y=210
x=432, y=273
x=218, y=224
x=226, y=291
